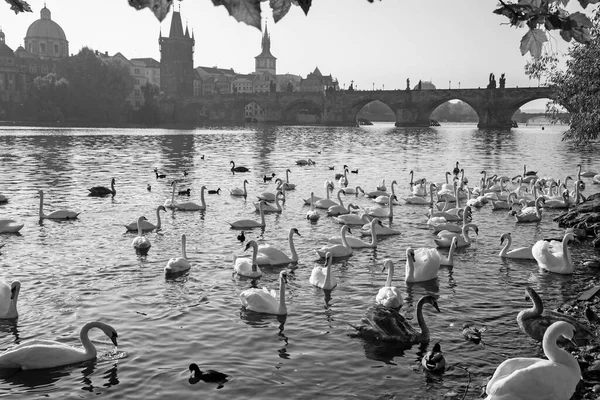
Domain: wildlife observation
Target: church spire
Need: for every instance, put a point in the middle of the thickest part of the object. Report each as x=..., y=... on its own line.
x=266, y=40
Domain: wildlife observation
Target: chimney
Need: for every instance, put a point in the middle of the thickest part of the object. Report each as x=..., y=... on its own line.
x=106, y=53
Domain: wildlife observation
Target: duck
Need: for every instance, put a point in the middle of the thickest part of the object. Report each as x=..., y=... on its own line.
x=185, y=192
x=213, y=191
x=434, y=360
x=268, y=208
x=178, y=264
x=535, y=321
x=322, y=276
x=141, y=242
x=389, y=296
x=387, y=324
x=448, y=261
x=270, y=255
x=238, y=169
x=554, y=256
x=530, y=214
x=43, y=354
x=9, y=295
x=159, y=176
x=472, y=333
x=60, y=214
x=245, y=266
x=444, y=238
x=250, y=223
x=287, y=185
x=10, y=226
x=147, y=226
x=356, y=243
x=538, y=378
x=312, y=214
x=3, y=199
x=208, y=375
x=103, y=190
x=191, y=206
x=337, y=250
x=268, y=178
x=456, y=170
x=520, y=252
x=265, y=301
x=241, y=237
x=240, y=192
x=149, y=187
x=422, y=264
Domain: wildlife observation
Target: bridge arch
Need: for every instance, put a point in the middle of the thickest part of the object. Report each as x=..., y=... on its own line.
x=302, y=111
x=430, y=107
x=236, y=111
x=360, y=103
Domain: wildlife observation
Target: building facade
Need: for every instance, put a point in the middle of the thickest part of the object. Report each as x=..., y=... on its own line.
x=177, y=60
x=46, y=39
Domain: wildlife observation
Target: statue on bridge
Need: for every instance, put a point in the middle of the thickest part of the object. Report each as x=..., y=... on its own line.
x=492, y=81
x=502, y=81
x=407, y=83
x=419, y=86
x=351, y=87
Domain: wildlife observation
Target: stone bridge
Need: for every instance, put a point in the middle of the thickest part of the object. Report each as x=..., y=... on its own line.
x=495, y=107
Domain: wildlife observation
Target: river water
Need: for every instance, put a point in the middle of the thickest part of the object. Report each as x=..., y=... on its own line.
x=83, y=270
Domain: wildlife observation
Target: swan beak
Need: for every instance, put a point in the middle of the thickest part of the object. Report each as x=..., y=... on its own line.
x=412, y=255
x=435, y=305
x=113, y=338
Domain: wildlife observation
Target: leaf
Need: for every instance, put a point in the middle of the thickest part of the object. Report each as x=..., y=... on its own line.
x=280, y=8
x=19, y=6
x=582, y=35
x=305, y=5
x=582, y=21
x=532, y=42
x=566, y=35
x=160, y=8
x=585, y=3
x=247, y=11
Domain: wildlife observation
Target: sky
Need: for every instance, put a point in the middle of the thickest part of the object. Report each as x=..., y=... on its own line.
x=377, y=45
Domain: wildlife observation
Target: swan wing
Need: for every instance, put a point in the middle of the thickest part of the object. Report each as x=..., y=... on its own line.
x=389, y=296
x=259, y=300
x=547, y=255
x=5, y=295
x=39, y=354
x=317, y=276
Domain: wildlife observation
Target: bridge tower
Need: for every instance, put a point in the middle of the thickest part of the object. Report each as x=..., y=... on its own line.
x=266, y=62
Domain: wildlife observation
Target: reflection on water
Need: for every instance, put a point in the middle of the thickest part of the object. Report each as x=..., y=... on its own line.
x=84, y=270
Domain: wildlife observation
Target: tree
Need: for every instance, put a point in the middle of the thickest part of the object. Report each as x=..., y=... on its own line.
x=48, y=97
x=149, y=111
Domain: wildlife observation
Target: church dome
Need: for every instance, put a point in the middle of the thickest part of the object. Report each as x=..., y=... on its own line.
x=45, y=38
x=45, y=27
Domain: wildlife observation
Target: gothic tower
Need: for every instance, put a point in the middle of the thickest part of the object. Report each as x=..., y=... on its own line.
x=177, y=60
x=265, y=61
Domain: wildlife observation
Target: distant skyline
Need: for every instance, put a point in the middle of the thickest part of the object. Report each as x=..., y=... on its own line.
x=378, y=45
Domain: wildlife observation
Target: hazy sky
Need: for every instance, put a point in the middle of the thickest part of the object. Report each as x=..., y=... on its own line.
x=383, y=43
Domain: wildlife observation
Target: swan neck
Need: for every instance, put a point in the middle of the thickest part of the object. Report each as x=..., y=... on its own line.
x=421, y=320
x=373, y=235
x=327, y=282
x=566, y=253
x=90, y=349
x=344, y=241
x=410, y=269
x=42, y=205
x=555, y=353
x=254, y=253
x=506, y=246
x=202, y=197
x=390, y=275
x=158, y=223
x=282, y=307
x=183, y=242
x=451, y=252
x=292, y=247
x=339, y=197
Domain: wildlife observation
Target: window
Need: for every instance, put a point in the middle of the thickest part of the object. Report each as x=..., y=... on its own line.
x=137, y=81
x=136, y=92
x=42, y=47
x=56, y=48
x=30, y=47
x=137, y=103
x=137, y=71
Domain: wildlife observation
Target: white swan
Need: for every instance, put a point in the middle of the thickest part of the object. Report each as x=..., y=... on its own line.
x=327, y=203
x=421, y=264
x=269, y=196
x=268, y=208
x=263, y=301
x=10, y=226
x=8, y=299
x=356, y=243
x=287, y=185
x=61, y=214
x=240, y=192
x=337, y=250
x=380, y=230
x=322, y=276
x=384, y=199
x=178, y=264
x=147, y=226
x=269, y=255
x=537, y=378
x=40, y=354
x=440, y=224
x=586, y=174
x=389, y=296
x=141, y=242
x=169, y=202
x=352, y=219
x=444, y=238
x=554, y=256
x=520, y=252
x=247, y=267
x=250, y=223
x=448, y=261
x=191, y=206
x=338, y=209
x=414, y=199
x=312, y=214
x=328, y=188
x=380, y=212
x=530, y=214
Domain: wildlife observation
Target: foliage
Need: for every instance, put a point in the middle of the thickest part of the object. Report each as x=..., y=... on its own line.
x=19, y=6
x=48, y=97
x=149, y=111
x=455, y=112
x=542, y=16
x=98, y=87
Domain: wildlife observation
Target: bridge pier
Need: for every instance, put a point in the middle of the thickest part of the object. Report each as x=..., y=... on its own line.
x=497, y=118
x=411, y=117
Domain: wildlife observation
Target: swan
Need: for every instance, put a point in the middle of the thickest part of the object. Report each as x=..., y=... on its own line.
x=312, y=214
x=337, y=250
x=239, y=192
x=269, y=196
x=269, y=255
x=554, y=256
x=103, y=190
x=528, y=173
x=472, y=334
x=245, y=266
x=596, y=179
x=414, y=199
x=530, y=214
x=449, y=260
x=250, y=223
x=338, y=209
x=380, y=212
x=61, y=214
x=505, y=205
x=287, y=185
x=563, y=202
x=305, y=162
x=326, y=203
x=263, y=301
x=3, y=199
x=356, y=243
x=178, y=264
x=387, y=324
x=444, y=238
x=537, y=378
x=208, y=375
x=191, y=206
x=237, y=169
x=268, y=208
x=8, y=299
x=322, y=277
x=586, y=174
x=535, y=321
x=328, y=188
x=389, y=296
x=422, y=264
x=141, y=242
x=352, y=219
x=147, y=226
x=434, y=360
x=380, y=230
x=521, y=252
x=381, y=186
x=339, y=176
x=40, y=354
x=10, y=226
x=384, y=199
x=169, y=202
x=440, y=225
